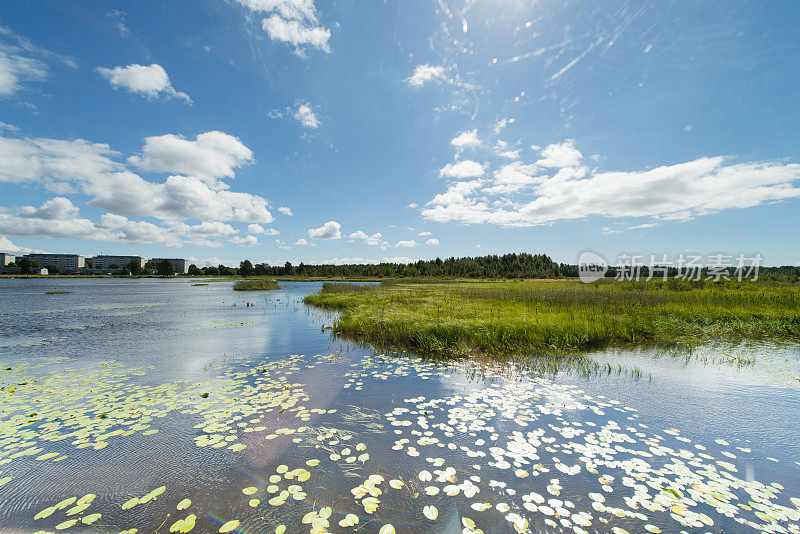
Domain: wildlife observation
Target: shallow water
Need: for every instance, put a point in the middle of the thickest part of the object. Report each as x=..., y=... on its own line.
x=258, y=416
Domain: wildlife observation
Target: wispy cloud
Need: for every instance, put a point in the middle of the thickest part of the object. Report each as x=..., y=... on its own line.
x=293, y=22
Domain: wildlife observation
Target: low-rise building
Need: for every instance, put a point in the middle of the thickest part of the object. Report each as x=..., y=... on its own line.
x=105, y=261
x=5, y=259
x=65, y=262
x=181, y=265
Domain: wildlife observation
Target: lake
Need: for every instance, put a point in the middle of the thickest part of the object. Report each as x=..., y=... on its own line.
x=183, y=406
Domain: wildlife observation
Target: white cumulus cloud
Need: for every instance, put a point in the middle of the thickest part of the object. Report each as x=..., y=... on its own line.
x=559, y=187
x=147, y=80
x=329, y=230
x=258, y=229
x=7, y=246
x=467, y=139
x=297, y=33
x=211, y=228
x=462, y=169
x=513, y=177
x=561, y=155
x=210, y=156
x=75, y=228
x=247, y=241
x=374, y=239
x=432, y=242
x=58, y=218
x=54, y=209
x=91, y=169
x=305, y=116
x=425, y=73
x=286, y=211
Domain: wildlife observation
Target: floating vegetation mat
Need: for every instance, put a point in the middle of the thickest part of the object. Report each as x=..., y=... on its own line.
x=255, y=285
x=377, y=453
x=29, y=342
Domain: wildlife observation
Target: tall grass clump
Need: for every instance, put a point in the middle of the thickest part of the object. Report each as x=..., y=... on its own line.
x=552, y=316
x=255, y=285
x=339, y=296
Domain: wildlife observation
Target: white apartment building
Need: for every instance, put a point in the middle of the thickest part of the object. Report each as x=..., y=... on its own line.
x=65, y=262
x=181, y=265
x=105, y=261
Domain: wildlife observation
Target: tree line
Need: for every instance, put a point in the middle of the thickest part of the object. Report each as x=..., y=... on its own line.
x=514, y=265
x=506, y=266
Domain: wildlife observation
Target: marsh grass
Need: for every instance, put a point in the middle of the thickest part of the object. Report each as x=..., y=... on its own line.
x=255, y=285
x=558, y=317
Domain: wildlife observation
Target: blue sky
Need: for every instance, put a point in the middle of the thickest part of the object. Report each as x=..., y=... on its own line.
x=340, y=131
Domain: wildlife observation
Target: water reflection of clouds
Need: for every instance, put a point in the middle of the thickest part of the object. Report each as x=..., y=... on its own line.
x=322, y=384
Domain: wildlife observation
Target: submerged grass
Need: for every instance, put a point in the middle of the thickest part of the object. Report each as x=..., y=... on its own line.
x=255, y=285
x=558, y=317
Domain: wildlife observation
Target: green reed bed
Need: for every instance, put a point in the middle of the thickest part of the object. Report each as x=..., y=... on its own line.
x=255, y=285
x=551, y=316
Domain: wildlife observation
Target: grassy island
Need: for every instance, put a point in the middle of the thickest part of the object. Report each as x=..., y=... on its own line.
x=255, y=285
x=551, y=316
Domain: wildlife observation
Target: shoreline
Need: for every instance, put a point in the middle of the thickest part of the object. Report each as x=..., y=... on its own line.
x=558, y=319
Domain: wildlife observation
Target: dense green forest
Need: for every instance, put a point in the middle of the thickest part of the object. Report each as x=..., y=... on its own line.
x=514, y=265
x=506, y=266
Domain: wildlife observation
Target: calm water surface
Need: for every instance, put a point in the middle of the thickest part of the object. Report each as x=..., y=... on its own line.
x=162, y=406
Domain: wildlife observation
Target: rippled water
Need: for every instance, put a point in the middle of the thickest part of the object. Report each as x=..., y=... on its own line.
x=165, y=406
